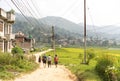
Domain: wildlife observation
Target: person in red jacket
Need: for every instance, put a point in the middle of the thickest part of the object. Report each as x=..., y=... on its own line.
x=56, y=60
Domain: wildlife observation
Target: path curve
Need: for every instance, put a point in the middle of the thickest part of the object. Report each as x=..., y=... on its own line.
x=48, y=74
x=40, y=53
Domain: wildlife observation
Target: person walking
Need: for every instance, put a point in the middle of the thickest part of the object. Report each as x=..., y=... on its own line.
x=39, y=59
x=49, y=61
x=44, y=59
x=56, y=60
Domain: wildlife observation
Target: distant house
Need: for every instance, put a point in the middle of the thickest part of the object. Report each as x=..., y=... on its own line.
x=6, y=36
x=25, y=42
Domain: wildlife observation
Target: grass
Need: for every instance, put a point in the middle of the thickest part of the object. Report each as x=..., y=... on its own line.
x=70, y=57
x=11, y=67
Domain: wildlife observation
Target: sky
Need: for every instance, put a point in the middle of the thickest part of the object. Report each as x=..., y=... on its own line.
x=99, y=12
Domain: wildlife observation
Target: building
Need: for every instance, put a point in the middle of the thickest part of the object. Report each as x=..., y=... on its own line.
x=6, y=36
x=25, y=42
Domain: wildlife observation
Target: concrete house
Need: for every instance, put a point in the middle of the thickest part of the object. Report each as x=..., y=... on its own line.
x=25, y=42
x=6, y=36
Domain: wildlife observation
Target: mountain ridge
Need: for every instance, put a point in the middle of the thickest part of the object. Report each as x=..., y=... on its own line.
x=109, y=31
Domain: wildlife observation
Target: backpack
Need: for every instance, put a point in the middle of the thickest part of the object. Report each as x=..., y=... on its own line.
x=44, y=58
x=56, y=59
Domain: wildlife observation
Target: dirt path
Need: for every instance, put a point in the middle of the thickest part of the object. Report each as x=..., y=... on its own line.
x=40, y=53
x=48, y=74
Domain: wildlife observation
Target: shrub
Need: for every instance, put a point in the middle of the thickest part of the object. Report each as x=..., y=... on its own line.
x=102, y=65
x=90, y=54
x=6, y=75
x=5, y=58
x=17, y=51
x=9, y=66
x=111, y=72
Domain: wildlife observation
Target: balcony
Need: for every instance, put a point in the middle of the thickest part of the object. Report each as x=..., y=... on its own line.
x=10, y=17
x=10, y=36
x=3, y=14
x=2, y=35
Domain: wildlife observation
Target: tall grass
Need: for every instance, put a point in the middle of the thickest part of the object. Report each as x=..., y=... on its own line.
x=10, y=66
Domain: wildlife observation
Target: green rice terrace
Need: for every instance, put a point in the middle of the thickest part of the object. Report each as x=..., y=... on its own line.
x=101, y=63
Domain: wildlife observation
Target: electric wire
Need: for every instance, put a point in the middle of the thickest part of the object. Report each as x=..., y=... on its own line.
x=36, y=8
x=70, y=7
x=22, y=13
x=35, y=11
x=35, y=21
x=94, y=29
x=8, y=4
x=24, y=10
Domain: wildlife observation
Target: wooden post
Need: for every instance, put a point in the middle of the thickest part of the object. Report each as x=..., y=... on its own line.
x=53, y=39
x=85, y=31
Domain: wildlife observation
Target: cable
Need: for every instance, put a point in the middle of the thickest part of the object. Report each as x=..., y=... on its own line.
x=24, y=5
x=22, y=13
x=29, y=11
x=32, y=14
x=69, y=8
x=36, y=8
x=92, y=23
x=35, y=14
x=8, y=3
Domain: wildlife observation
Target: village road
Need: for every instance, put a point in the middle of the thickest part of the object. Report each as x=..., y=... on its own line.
x=48, y=74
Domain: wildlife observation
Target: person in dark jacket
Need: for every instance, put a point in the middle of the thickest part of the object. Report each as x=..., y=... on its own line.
x=44, y=59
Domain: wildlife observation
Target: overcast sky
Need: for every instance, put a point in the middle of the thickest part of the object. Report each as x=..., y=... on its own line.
x=99, y=12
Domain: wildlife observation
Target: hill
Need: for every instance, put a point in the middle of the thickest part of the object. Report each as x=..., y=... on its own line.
x=41, y=29
x=64, y=30
x=63, y=23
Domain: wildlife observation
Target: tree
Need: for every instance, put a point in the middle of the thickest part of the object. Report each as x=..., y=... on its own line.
x=17, y=51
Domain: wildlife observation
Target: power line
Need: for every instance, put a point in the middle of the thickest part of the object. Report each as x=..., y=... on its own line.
x=29, y=11
x=36, y=8
x=22, y=13
x=31, y=7
x=33, y=14
x=17, y=4
x=70, y=7
x=8, y=3
x=22, y=7
x=92, y=23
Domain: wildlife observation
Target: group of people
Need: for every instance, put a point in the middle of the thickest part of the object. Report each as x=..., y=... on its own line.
x=48, y=59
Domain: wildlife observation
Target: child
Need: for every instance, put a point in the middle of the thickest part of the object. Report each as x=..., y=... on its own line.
x=56, y=60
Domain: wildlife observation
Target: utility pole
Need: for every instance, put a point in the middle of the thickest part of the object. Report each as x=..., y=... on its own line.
x=53, y=39
x=84, y=32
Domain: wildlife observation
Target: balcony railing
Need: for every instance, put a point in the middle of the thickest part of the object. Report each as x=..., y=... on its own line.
x=3, y=14
x=10, y=17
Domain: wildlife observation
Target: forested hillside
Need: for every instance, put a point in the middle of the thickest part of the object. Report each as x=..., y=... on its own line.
x=42, y=30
